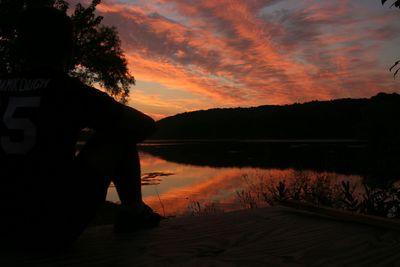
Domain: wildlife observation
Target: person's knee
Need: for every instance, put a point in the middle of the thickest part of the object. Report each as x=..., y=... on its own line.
x=107, y=157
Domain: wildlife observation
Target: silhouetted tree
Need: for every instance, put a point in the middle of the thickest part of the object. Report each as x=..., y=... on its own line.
x=395, y=3
x=98, y=56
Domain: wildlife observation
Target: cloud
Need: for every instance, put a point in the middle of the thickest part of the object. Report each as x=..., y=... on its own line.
x=244, y=53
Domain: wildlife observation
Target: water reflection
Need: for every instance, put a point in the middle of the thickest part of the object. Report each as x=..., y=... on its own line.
x=172, y=185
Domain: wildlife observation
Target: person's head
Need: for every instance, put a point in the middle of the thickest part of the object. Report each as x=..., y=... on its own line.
x=45, y=38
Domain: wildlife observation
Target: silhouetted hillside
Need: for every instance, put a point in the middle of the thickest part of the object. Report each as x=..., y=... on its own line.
x=376, y=118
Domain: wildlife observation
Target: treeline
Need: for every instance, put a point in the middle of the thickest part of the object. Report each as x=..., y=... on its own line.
x=376, y=118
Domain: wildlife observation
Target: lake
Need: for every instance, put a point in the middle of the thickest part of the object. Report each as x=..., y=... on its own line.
x=181, y=177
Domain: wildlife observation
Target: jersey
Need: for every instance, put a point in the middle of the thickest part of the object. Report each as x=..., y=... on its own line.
x=41, y=117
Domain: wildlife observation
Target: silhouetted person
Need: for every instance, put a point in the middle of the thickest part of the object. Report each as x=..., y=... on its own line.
x=47, y=193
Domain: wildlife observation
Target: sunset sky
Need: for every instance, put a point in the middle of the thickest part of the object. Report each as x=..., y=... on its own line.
x=199, y=54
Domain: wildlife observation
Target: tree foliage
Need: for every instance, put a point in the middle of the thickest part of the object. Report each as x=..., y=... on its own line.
x=98, y=57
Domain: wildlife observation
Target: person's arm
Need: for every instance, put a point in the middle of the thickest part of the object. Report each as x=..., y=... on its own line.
x=109, y=117
x=136, y=124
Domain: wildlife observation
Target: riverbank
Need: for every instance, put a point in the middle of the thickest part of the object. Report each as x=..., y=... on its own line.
x=276, y=236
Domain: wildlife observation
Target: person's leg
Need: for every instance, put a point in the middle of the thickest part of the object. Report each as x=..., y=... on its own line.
x=127, y=176
x=114, y=161
x=77, y=195
x=117, y=161
x=72, y=198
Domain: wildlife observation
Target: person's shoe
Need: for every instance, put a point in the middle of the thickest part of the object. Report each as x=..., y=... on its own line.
x=130, y=220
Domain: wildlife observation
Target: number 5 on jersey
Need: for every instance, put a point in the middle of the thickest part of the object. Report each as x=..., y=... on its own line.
x=25, y=125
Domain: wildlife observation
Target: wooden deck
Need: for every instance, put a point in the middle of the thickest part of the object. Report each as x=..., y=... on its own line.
x=277, y=236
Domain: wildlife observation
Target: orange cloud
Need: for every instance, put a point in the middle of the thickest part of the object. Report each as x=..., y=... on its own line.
x=246, y=53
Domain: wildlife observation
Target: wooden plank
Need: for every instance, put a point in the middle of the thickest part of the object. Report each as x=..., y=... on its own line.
x=343, y=215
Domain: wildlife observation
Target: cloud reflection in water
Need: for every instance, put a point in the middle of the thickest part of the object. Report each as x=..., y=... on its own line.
x=177, y=186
